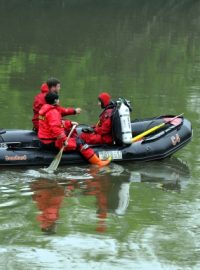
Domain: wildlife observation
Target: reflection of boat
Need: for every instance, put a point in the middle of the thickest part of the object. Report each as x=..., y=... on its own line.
x=110, y=186
x=171, y=174
x=22, y=147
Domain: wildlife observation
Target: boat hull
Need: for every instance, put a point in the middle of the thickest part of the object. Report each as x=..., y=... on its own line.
x=22, y=147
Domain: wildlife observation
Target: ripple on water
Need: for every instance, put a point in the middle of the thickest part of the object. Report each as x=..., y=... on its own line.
x=9, y=203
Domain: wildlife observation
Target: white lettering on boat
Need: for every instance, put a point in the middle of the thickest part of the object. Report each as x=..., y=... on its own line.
x=3, y=145
x=113, y=154
x=10, y=158
x=175, y=139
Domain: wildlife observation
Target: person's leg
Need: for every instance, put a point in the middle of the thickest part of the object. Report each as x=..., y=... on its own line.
x=90, y=155
x=91, y=138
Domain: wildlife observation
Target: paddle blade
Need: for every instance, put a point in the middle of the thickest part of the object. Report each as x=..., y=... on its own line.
x=54, y=164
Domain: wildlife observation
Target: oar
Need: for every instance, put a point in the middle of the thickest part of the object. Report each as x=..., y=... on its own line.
x=54, y=164
x=151, y=130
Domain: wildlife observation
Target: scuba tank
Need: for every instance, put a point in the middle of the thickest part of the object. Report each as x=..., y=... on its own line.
x=122, y=130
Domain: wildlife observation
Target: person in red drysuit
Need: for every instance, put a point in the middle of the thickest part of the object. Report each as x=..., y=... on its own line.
x=53, y=132
x=99, y=188
x=52, y=85
x=49, y=196
x=101, y=133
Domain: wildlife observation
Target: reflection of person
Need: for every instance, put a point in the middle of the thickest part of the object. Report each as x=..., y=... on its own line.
x=52, y=85
x=49, y=196
x=111, y=196
x=52, y=132
x=101, y=133
x=98, y=188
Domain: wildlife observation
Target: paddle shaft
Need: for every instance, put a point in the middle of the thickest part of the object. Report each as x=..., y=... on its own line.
x=68, y=137
x=54, y=164
x=151, y=130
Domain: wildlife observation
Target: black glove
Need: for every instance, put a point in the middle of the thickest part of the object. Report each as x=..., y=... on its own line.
x=88, y=130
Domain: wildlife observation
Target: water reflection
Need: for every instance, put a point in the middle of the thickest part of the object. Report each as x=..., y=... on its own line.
x=111, y=195
x=111, y=187
x=170, y=174
x=48, y=196
x=108, y=213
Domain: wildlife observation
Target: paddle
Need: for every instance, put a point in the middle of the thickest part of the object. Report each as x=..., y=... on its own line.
x=54, y=164
x=151, y=130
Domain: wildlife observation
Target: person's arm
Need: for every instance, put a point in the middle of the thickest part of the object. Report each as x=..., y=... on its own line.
x=69, y=111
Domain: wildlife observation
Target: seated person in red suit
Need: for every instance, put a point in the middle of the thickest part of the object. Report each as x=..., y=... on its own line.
x=101, y=133
x=52, y=85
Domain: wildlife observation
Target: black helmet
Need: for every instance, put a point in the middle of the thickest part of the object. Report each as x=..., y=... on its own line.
x=51, y=98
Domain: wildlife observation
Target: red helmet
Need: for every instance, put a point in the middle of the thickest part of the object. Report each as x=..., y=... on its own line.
x=105, y=99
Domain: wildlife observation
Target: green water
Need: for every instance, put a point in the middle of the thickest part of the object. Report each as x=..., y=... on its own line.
x=127, y=216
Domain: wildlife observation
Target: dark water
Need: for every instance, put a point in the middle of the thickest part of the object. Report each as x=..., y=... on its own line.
x=126, y=216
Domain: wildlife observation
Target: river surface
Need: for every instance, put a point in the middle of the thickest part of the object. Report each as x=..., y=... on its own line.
x=125, y=216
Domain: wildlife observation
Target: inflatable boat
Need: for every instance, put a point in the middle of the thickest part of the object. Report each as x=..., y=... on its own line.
x=161, y=137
